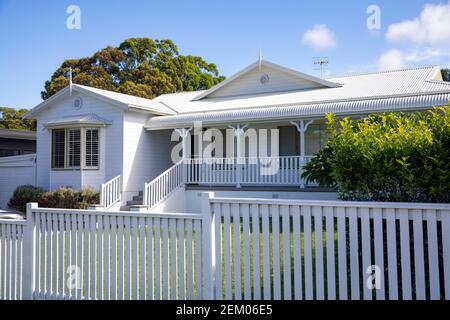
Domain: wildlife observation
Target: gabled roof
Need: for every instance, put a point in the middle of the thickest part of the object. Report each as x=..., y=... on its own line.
x=120, y=100
x=84, y=120
x=380, y=91
x=269, y=65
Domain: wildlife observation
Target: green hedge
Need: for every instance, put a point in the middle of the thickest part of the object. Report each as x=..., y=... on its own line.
x=387, y=157
x=65, y=198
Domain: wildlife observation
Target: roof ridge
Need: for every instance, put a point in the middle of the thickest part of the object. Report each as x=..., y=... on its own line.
x=123, y=94
x=356, y=74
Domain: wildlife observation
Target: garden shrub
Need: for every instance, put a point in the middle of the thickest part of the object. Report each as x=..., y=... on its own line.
x=65, y=198
x=22, y=195
x=387, y=157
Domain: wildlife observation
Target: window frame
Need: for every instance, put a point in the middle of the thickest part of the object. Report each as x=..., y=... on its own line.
x=82, y=165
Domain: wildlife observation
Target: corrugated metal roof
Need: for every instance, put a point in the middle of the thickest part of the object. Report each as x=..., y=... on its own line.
x=416, y=102
x=383, y=84
x=85, y=119
x=391, y=90
x=127, y=99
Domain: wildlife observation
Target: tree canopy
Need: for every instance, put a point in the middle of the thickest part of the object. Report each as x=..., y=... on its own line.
x=138, y=66
x=12, y=119
x=446, y=74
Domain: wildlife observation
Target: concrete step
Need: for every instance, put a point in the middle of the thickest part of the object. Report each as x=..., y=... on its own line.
x=141, y=193
x=138, y=198
x=125, y=208
x=134, y=203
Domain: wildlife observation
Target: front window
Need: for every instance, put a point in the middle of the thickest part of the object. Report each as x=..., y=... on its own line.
x=75, y=148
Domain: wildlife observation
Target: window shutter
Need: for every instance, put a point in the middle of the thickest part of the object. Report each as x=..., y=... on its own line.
x=58, y=147
x=92, y=148
x=73, y=147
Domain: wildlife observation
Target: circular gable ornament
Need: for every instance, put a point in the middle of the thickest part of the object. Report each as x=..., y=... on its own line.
x=78, y=103
x=264, y=79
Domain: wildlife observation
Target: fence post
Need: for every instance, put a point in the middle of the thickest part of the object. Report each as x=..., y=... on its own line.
x=29, y=254
x=446, y=251
x=208, y=246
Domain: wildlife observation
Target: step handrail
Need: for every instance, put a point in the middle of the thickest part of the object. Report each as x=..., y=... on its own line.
x=111, y=192
x=159, y=188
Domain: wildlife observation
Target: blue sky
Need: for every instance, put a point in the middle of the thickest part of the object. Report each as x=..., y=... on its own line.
x=35, y=40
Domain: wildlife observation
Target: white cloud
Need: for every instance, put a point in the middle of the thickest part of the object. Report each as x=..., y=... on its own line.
x=320, y=37
x=432, y=27
x=421, y=40
x=392, y=59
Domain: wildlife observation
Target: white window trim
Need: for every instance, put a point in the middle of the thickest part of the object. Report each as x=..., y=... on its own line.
x=83, y=165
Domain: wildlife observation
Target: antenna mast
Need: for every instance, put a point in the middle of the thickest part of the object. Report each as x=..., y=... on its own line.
x=70, y=81
x=321, y=62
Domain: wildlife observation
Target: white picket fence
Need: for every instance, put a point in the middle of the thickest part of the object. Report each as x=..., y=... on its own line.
x=12, y=233
x=322, y=249
x=234, y=249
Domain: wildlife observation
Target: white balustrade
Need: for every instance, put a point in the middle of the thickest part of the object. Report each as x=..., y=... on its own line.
x=111, y=192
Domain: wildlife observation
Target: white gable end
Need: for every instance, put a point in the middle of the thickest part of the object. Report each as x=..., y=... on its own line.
x=266, y=80
x=265, y=77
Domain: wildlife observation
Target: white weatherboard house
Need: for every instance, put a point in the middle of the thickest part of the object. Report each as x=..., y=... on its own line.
x=121, y=145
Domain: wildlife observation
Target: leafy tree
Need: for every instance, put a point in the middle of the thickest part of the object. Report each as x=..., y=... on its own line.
x=138, y=66
x=446, y=74
x=387, y=157
x=12, y=119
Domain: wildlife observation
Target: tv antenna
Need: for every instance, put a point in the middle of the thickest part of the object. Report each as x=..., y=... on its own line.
x=321, y=62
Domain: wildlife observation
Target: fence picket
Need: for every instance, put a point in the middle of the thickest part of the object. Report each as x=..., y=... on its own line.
x=142, y=268
x=391, y=240
x=405, y=255
x=158, y=278
x=419, y=263
x=331, y=256
x=173, y=257
x=107, y=262
x=246, y=245
x=218, y=250
x=256, y=253
x=379, y=256
x=433, y=258
x=150, y=259
x=366, y=249
x=318, y=229
x=445, y=224
x=354, y=253
x=266, y=251
x=286, y=253
x=189, y=260
x=342, y=253
x=307, y=232
x=237, y=251
x=227, y=249
x=275, y=213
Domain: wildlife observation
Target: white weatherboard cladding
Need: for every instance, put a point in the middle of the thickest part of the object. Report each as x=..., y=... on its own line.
x=277, y=81
x=111, y=146
x=146, y=154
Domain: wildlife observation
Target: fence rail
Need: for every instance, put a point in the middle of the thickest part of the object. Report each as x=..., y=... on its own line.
x=235, y=249
x=111, y=192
